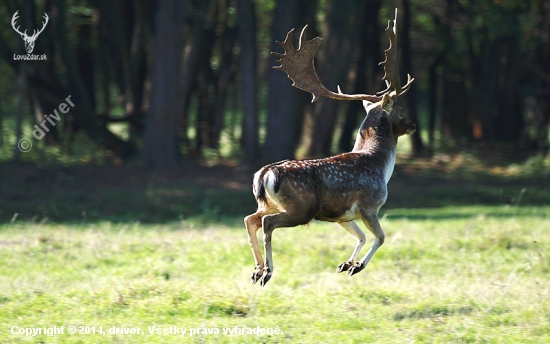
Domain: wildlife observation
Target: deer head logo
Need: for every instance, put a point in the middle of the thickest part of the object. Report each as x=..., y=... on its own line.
x=29, y=40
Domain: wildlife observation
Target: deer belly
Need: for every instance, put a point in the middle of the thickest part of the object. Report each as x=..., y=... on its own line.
x=339, y=213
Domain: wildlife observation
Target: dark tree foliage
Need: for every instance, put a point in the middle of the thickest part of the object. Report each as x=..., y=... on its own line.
x=188, y=78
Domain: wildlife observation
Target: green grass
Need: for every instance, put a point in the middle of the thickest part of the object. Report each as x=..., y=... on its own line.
x=477, y=274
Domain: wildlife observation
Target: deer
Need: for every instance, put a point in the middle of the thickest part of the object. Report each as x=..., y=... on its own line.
x=342, y=188
x=29, y=40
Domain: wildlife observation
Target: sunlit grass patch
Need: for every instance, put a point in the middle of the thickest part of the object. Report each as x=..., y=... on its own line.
x=477, y=274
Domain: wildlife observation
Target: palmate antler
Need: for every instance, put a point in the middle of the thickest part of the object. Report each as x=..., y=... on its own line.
x=299, y=65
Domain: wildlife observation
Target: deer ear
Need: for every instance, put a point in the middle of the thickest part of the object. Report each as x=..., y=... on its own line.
x=367, y=105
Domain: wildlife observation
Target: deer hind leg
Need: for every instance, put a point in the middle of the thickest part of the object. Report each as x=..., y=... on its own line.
x=253, y=223
x=371, y=222
x=269, y=223
x=352, y=228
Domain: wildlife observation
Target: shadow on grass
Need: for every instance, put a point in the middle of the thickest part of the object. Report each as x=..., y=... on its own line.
x=432, y=312
x=121, y=194
x=223, y=193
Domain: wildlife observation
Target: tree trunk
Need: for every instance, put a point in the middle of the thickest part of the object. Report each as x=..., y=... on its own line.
x=433, y=96
x=342, y=36
x=223, y=79
x=247, y=42
x=20, y=144
x=113, y=32
x=138, y=67
x=510, y=123
x=487, y=87
x=194, y=52
x=281, y=118
x=454, y=103
x=85, y=59
x=406, y=58
x=206, y=92
x=367, y=72
x=161, y=146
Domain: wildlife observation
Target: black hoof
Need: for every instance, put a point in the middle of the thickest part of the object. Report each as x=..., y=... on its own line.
x=344, y=266
x=256, y=274
x=254, y=278
x=265, y=277
x=355, y=268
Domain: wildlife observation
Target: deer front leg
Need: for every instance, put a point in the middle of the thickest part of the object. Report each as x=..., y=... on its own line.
x=253, y=223
x=352, y=228
x=371, y=222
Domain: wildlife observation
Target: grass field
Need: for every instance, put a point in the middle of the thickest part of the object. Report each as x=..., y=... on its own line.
x=119, y=250
x=455, y=274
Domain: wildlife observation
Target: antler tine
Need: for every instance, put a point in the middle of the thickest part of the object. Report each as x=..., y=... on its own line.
x=43, y=25
x=286, y=44
x=299, y=65
x=13, y=22
x=391, y=67
x=14, y=18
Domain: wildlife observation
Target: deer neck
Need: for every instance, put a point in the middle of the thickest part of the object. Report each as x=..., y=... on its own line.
x=376, y=139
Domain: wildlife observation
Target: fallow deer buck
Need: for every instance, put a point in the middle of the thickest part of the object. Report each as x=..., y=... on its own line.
x=341, y=188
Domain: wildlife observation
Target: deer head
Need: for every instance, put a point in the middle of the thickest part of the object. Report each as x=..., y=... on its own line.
x=29, y=40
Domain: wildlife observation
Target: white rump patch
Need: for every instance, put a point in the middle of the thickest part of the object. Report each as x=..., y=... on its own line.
x=269, y=182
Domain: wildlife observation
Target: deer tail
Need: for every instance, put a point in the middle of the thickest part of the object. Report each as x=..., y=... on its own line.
x=258, y=187
x=266, y=178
